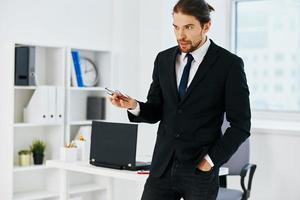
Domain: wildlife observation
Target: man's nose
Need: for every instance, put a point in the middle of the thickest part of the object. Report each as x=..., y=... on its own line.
x=181, y=35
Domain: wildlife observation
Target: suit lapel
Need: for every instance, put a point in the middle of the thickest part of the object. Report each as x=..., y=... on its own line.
x=172, y=71
x=208, y=60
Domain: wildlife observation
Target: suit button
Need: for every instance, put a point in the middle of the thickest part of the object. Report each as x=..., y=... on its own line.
x=177, y=135
x=179, y=111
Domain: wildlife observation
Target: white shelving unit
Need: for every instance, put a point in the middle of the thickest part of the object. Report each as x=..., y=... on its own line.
x=50, y=71
x=53, y=68
x=86, y=186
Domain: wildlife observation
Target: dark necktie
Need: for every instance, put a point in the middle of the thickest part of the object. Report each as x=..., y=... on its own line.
x=185, y=76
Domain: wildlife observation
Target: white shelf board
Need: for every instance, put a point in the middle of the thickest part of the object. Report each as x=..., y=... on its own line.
x=83, y=188
x=97, y=50
x=35, y=195
x=87, y=122
x=84, y=122
x=20, y=125
x=25, y=87
x=31, y=168
x=87, y=88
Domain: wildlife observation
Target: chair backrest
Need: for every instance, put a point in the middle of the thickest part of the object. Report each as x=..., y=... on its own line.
x=240, y=158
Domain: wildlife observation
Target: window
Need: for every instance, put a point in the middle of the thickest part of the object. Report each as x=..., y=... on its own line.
x=267, y=37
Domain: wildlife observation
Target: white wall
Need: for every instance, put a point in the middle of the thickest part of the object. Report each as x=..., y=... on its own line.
x=68, y=22
x=277, y=158
x=6, y=125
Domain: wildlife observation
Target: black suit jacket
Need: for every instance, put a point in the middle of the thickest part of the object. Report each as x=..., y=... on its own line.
x=190, y=128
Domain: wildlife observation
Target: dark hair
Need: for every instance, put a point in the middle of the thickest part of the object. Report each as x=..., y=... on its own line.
x=197, y=8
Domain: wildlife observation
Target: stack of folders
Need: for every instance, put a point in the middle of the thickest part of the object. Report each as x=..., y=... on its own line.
x=77, y=80
x=46, y=106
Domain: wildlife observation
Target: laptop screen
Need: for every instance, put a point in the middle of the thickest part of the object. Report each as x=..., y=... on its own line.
x=113, y=143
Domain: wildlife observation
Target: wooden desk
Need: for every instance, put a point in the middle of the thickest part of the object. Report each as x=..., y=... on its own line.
x=84, y=167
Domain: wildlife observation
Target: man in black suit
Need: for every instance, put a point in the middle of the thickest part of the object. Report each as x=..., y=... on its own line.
x=193, y=85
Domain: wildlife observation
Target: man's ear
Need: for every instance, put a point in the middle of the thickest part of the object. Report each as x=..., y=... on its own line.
x=206, y=27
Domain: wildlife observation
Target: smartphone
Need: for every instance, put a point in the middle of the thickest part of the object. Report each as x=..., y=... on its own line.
x=111, y=92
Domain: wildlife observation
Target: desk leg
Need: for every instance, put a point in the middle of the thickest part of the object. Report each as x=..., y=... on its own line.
x=109, y=188
x=64, y=187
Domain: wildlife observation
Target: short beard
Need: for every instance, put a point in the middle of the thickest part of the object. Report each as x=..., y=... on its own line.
x=193, y=47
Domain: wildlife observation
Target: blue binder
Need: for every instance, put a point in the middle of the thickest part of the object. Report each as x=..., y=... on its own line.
x=76, y=61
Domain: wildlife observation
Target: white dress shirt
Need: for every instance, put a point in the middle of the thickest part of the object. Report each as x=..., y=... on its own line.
x=181, y=61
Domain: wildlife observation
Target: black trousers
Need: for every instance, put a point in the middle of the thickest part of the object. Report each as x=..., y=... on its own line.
x=182, y=180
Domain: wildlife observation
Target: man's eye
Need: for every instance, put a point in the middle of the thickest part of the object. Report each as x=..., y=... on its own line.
x=189, y=27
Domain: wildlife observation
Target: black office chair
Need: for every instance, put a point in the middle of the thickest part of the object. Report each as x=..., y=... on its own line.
x=239, y=165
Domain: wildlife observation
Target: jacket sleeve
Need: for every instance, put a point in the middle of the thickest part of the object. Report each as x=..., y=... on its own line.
x=151, y=111
x=237, y=108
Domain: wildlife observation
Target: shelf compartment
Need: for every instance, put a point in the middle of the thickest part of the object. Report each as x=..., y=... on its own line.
x=102, y=60
x=52, y=135
x=83, y=188
x=39, y=184
x=78, y=108
x=48, y=62
x=35, y=195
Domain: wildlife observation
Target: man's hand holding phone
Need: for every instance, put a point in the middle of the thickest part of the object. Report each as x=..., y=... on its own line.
x=121, y=100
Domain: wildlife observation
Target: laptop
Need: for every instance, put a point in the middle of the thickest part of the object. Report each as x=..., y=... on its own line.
x=113, y=145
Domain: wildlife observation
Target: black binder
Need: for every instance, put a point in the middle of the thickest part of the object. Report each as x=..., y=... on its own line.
x=25, y=65
x=21, y=65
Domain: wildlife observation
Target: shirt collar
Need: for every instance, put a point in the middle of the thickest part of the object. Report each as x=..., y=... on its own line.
x=199, y=53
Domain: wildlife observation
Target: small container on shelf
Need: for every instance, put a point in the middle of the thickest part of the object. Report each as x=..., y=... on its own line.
x=68, y=153
x=95, y=108
x=83, y=148
x=83, y=142
x=24, y=158
x=88, y=105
